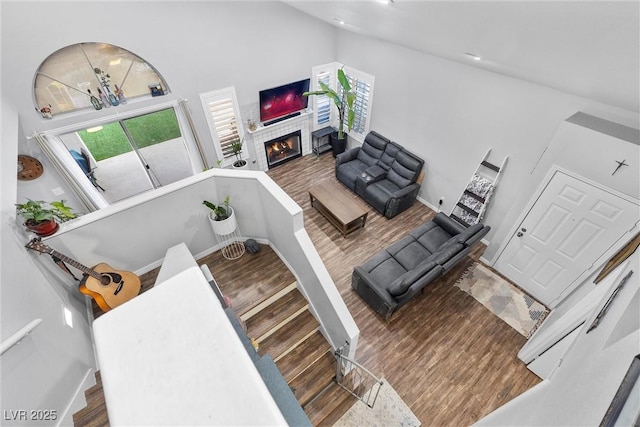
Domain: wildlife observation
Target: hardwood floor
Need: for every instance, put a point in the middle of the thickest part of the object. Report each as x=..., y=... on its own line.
x=446, y=355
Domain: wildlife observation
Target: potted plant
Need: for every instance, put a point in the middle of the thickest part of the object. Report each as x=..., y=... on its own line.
x=222, y=217
x=344, y=102
x=236, y=148
x=41, y=217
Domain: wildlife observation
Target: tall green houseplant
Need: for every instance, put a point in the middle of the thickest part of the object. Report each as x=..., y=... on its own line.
x=343, y=101
x=236, y=148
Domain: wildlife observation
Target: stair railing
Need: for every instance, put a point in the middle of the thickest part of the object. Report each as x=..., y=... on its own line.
x=356, y=379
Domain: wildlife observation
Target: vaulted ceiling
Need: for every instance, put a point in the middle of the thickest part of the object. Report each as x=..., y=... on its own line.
x=586, y=48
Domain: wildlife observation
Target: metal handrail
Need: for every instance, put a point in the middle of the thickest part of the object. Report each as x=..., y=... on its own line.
x=356, y=379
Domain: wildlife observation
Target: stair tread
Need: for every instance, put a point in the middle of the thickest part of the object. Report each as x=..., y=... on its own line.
x=286, y=337
x=274, y=314
x=314, y=379
x=93, y=392
x=330, y=406
x=94, y=414
x=298, y=359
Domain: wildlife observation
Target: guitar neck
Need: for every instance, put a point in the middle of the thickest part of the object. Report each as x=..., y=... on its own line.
x=77, y=265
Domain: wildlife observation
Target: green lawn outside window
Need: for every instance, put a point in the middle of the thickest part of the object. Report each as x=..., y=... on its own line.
x=145, y=131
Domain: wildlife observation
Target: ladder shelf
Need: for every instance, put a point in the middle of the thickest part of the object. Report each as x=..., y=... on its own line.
x=472, y=203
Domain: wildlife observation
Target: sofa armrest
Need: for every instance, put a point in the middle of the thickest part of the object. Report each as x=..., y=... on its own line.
x=477, y=236
x=447, y=224
x=375, y=172
x=401, y=200
x=378, y=299
x=347, y=156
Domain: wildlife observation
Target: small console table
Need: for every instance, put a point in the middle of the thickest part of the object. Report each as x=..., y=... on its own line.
x=320, y=140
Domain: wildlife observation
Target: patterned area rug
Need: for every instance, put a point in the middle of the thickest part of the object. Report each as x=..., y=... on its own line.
x=389, y=410
x=511, y=304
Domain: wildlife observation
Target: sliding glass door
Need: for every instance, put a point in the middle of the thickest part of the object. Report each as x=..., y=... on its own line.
x=129, y=156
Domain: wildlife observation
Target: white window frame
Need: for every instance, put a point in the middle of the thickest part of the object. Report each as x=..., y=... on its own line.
x=318, y=100
x=225, y=94
x=53, y=146
x=351, y=73
x=368, y=79
x=63, y=88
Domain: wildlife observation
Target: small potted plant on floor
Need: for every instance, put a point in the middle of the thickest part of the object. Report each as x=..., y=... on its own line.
x=344, y=102
x=236, y=147
x=42, y=217
x=222, y=217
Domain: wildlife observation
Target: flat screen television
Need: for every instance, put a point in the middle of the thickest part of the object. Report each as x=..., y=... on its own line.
x=281, y=101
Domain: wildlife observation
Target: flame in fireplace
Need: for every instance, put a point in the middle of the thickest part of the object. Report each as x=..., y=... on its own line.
x=282, y=149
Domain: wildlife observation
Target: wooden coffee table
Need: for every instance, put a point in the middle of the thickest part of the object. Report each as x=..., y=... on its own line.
x=336, y=203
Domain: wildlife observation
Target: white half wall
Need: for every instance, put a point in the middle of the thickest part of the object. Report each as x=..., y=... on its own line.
x=134, y=235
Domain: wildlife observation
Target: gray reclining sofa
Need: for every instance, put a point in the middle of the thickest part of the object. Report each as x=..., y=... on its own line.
x=393, y=276
x=382, y=172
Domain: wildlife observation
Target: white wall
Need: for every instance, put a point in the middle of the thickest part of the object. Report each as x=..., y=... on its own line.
x=49, y=367
x=450, y=113
x=196, y=46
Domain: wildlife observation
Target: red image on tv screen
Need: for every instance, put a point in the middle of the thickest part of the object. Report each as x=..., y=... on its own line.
x=283, y=100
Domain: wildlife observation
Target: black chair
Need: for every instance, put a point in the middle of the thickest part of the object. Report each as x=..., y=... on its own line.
x=84, y=161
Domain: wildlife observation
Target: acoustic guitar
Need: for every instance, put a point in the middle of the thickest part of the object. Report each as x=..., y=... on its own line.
x=107, y=286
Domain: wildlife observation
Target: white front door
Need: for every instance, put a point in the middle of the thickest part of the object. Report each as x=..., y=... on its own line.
x=568, y=228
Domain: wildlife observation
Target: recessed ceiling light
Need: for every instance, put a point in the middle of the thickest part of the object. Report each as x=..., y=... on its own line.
x=339, y=21
x=473, y=56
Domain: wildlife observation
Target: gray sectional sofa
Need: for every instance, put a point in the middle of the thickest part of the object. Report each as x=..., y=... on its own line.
x=382, y=172
x=393, y=276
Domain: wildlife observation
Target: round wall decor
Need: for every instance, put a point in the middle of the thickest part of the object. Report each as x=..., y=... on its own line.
x=29, y=168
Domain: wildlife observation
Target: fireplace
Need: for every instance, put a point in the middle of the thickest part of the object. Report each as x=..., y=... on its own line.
x=282, y=149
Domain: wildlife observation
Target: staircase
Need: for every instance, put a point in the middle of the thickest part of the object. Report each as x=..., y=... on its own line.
x=278, y=320
x=95, y=413
x=283, y=327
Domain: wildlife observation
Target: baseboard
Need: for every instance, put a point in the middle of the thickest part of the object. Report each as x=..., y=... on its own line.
x=427, y=204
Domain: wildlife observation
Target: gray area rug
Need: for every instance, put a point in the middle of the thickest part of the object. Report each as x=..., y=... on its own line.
x=388, y=411
x=508, y=302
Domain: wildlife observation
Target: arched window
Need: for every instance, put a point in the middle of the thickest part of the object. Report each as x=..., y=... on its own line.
x=111, y=157
x=93, y=75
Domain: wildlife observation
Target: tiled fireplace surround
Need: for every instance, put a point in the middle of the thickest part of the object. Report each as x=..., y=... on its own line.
x=267, y=133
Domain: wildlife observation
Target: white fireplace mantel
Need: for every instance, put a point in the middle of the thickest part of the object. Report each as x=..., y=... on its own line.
x=262, y=134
